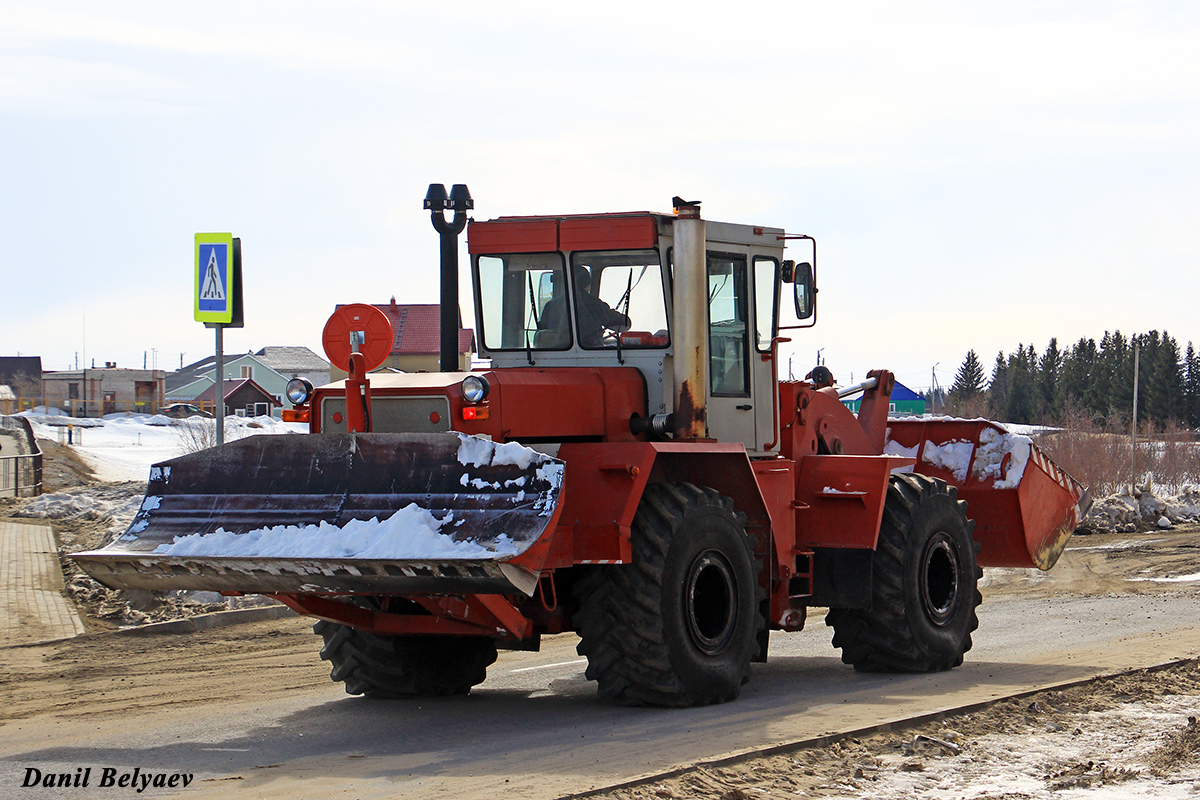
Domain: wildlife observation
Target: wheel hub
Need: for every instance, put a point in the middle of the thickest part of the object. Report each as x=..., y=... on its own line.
x=939, y=579
x=709, y=602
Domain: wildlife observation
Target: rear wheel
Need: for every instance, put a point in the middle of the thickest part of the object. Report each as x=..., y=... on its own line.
x=378, y=665
x=924, y=585
x=679, y=625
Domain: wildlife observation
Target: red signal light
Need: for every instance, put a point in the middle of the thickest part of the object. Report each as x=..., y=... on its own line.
x=470, y=413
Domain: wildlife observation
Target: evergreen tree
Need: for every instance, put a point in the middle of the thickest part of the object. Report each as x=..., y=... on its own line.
x=998, y=386
x=1165, y=380
x=1091, y=377
x=1191, y=390
x=1019, y=407
x=969, y=380
x=1107, y=374
x=1076, y=374
x=1048, y=378
x=1119, y=387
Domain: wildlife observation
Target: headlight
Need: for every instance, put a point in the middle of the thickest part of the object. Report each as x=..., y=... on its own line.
x=475, y=388
x=299, y=390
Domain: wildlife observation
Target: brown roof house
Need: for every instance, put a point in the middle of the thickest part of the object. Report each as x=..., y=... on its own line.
x=416, y=342
x=23, y=377
x=245, y=398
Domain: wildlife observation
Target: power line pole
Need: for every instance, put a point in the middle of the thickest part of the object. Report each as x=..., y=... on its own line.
x=1133, y=425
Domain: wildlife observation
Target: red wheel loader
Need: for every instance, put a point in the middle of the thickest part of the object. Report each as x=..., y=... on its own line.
x=629, y=467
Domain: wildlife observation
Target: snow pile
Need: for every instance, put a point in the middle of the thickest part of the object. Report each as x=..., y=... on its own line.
x=1187, y=502
x=411, y=533
x=954, y=456
x=1129, y=511
x=55, y=418
x=61, y=505
x=994, y=445
x=113, y=505
x=121, y=447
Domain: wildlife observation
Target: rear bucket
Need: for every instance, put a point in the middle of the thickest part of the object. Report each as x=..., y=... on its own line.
x=380, y=513
x=1025, y=507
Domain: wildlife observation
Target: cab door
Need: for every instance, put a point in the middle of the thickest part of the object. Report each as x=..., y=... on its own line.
x=731, y=405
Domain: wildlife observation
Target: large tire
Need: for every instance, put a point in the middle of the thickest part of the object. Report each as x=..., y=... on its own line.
x=924, y=585
x=381, y=666
x=679, y=625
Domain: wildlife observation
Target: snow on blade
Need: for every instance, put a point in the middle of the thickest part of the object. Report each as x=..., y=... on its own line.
x=411, y=533
x=514, y=453
x=896, y=449
x=475, y=451
x=993, y=446
x=953, y=456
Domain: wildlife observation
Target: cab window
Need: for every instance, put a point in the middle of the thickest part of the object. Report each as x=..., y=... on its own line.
x=523, y=301
x=728, y=334
x=766, y=300
x=619, y=294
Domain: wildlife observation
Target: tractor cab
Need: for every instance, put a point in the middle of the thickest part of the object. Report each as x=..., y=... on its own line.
x=596, y=290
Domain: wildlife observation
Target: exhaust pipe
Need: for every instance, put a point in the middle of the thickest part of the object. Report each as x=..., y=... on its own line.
x=459, y=201
x=690, y=309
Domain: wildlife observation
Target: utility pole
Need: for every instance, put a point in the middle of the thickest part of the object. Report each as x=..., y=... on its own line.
x=933, y=390
x=1133, y=425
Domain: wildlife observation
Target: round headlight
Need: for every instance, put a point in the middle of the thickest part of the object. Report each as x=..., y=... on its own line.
x=299, y=390
x=475, y=388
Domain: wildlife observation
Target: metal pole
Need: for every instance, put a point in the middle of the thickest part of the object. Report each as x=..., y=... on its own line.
x=219, y=405
x=1133, y=425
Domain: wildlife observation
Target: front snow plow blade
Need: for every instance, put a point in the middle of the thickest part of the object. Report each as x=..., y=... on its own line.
x=1024, y=505
x=383, y=513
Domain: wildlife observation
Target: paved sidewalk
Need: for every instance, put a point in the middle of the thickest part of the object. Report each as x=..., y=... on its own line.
x=33, y=604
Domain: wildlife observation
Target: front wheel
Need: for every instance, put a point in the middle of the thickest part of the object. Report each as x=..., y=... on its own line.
x=924, y=585
x=383, y=666
x=679, y=625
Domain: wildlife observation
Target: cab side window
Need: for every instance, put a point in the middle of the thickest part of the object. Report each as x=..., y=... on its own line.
x=728, y=333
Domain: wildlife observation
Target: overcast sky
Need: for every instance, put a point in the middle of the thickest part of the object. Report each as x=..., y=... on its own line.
x=977, y=175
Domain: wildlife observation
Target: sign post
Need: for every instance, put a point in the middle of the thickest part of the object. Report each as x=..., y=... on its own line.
x=217, y=276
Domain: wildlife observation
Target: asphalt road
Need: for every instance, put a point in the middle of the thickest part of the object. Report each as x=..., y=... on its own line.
x=262, y=720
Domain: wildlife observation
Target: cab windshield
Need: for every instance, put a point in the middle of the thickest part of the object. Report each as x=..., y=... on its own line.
x=613, y=296
x=514, y=290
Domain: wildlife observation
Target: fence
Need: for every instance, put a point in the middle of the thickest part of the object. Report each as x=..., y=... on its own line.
x=94, y=408
x=20, y=472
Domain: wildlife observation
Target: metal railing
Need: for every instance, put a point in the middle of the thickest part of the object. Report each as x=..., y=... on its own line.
x=76, y=407
x=21, y=473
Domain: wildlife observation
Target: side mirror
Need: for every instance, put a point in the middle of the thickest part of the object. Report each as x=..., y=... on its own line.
x=805, y=290
x=788, y=271
x=545, y=290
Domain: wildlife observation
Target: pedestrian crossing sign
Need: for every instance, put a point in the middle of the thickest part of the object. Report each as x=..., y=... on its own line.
x=214, y=278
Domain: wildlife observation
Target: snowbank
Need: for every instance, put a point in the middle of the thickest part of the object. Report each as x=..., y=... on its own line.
x=114, y=505
x=1129, y=511
x=121, y=447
